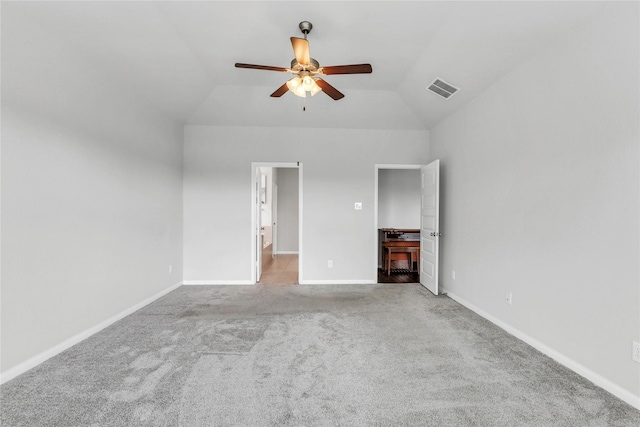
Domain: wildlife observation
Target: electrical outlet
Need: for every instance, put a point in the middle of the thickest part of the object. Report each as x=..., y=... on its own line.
x=636, y=351
x=508, y=298
x=330, y=263
x=453, y=274
x=358, y=206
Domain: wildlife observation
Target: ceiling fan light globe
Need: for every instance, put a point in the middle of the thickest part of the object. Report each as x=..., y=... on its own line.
x=296, y=87
x=293, y=83
x=314, y=88
x=308, y=83
x=300, y=92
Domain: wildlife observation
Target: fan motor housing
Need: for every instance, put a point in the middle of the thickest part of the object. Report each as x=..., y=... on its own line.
x=313, y=66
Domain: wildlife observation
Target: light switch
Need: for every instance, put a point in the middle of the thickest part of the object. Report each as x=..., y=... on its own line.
x=358, y=206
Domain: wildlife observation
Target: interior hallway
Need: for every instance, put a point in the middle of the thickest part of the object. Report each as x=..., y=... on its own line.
x=281, y=270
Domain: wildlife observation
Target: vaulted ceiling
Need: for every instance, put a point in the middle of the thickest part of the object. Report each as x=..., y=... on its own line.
x=180, y=55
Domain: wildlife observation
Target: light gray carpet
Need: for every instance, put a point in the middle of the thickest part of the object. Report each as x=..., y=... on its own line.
x=304, y=356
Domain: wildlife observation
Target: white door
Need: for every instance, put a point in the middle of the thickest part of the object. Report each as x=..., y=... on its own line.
x=430, y=226
x=274, y=218
x=258, y=257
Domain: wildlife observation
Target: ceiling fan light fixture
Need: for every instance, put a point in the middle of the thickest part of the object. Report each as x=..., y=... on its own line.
x=301, y=92
x=314, y=87
x=301, y=85
x=295, y=86
x=307, y=82
x=293, y=83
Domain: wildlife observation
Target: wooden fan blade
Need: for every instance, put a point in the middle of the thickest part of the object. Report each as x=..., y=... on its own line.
x=329, y=90
x=301, y=50
x=347, y=69
x=261, y=67
x=280, y=91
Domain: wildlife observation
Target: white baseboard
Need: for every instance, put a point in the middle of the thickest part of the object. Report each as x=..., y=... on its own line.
x=217, y=282
x=68, y=343
x=287, y=253
x=621, y=393
x=338, y=282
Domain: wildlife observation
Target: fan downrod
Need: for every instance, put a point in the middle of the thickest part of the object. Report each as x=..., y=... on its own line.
x=305, y=27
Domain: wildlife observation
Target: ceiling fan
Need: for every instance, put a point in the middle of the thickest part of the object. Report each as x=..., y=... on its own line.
x=307, y=70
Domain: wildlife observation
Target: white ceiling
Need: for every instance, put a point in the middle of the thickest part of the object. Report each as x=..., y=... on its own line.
x=180, y=55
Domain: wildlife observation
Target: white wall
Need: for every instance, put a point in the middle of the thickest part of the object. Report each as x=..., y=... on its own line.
x=338, y=170
x=399, y=198
x=540, y=197
x=288, y=210
x=91, y=196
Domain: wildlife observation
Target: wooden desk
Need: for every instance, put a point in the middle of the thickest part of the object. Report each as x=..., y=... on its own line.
x=396, y=250
x=399, y=244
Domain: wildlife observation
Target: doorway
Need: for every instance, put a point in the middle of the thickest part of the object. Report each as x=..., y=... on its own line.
x=276, y=200
x=282, y=270
x=398, y=207
x=429, y=223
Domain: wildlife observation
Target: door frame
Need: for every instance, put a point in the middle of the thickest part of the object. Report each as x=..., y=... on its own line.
x=375, y=205
x=274, y=218
x=254, y=207
x=257, y=207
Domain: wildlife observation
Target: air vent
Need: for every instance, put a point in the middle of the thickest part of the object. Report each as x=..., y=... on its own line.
x=442, y=88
